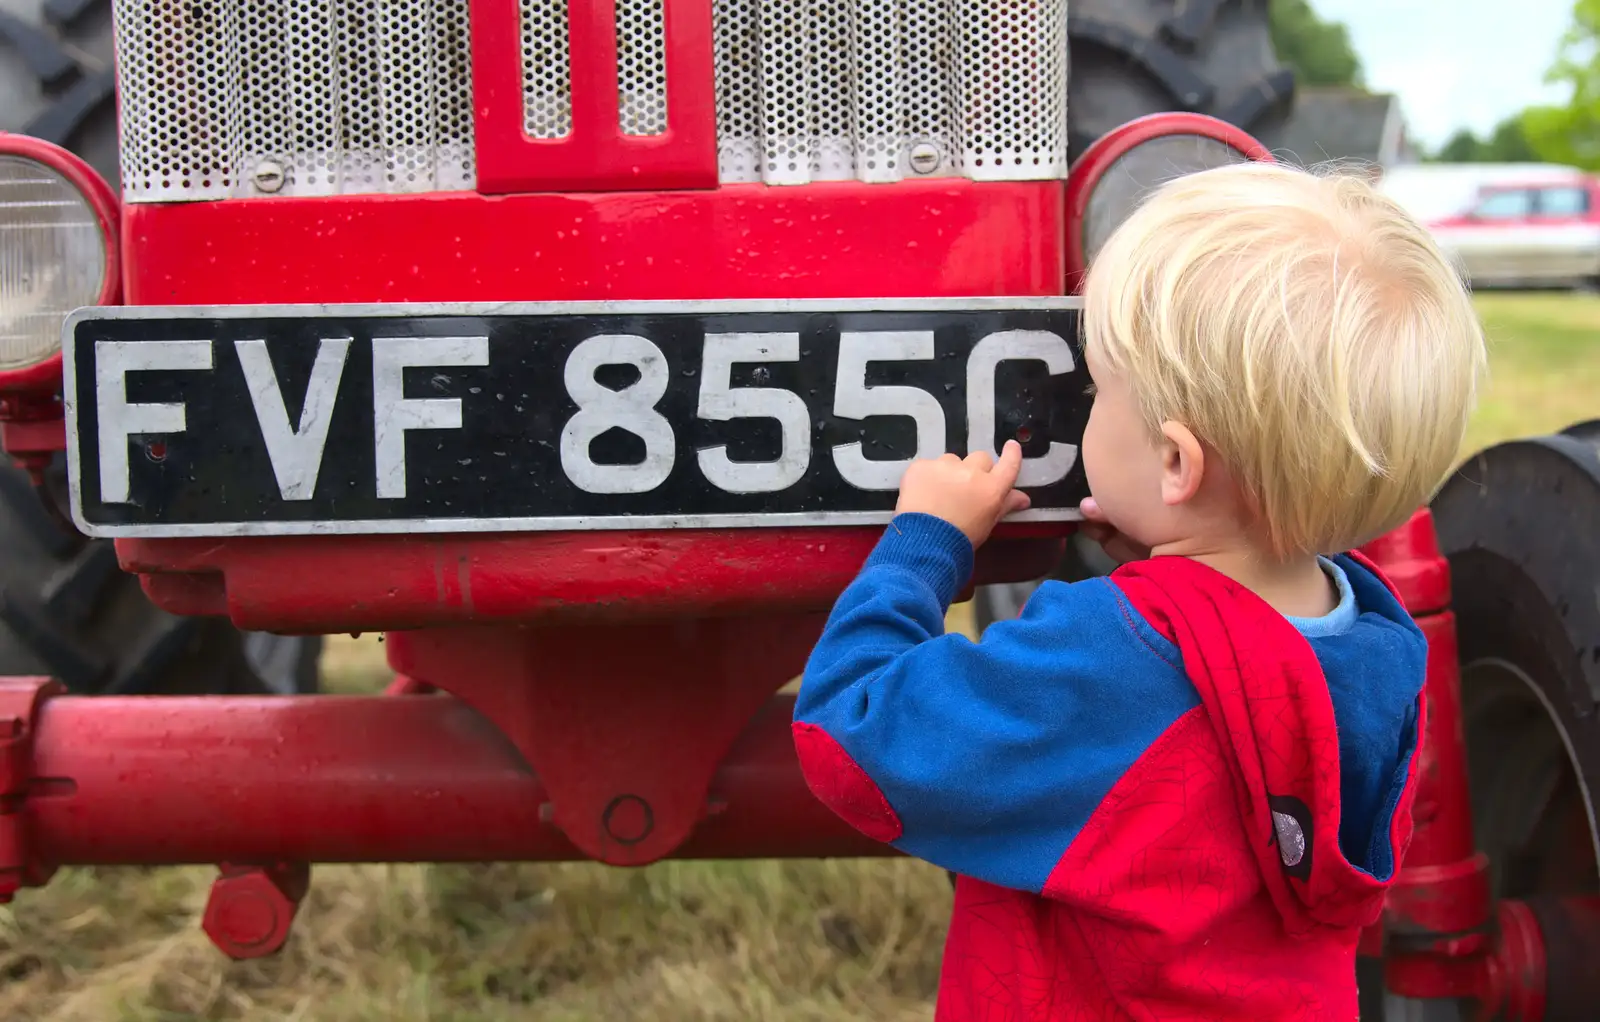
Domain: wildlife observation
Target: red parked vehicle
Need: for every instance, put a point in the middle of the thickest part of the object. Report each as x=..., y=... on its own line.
x=1523, y=235
x=578, y=347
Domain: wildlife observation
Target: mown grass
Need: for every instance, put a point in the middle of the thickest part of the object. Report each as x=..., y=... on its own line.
x=676, y=942
x=1544, y=365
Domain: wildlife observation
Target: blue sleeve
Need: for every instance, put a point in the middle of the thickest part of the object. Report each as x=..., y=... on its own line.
x=992, y=754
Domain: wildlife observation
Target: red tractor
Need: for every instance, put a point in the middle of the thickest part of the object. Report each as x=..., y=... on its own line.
x=578, y=346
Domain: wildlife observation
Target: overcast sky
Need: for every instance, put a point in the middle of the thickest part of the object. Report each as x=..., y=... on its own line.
x=1455, y=63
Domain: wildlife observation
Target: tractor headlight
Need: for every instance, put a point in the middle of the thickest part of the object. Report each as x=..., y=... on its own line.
x=57, y=247
x=1108, y=181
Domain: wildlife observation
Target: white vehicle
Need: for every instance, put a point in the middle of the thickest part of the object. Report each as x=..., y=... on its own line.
x=1528, y=233
x=1433, y=191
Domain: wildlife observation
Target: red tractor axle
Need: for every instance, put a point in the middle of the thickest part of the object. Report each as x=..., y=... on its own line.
x=357, y=779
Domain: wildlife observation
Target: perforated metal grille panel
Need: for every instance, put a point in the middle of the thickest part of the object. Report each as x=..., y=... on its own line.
x=316, y=97
x=880, y=90
x=293, y=97
x=546, y=71
x=642, y=66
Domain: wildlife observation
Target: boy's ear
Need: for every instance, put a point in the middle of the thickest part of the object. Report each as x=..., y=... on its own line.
x=1183, y=464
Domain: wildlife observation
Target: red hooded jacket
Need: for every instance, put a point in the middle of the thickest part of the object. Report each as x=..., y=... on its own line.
x=1175, y=842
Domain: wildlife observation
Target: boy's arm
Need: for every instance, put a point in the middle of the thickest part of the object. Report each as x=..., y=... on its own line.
x=984, y=758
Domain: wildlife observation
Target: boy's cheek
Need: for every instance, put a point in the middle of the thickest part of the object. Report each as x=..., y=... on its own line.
x=1093, y=454
x=1116, y=481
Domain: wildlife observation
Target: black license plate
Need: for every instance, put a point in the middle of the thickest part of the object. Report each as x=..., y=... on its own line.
x=434, y=418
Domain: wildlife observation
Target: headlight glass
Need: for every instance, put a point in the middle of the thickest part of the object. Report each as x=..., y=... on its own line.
x=52, y=259
x=1140, y=171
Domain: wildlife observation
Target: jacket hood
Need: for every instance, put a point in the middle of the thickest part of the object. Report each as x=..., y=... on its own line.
x=1264, y=691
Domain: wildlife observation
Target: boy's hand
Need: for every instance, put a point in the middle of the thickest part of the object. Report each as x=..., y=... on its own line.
x=1099, y=528
x=971, y=493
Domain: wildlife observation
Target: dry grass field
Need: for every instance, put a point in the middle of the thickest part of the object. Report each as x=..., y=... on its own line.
x=677, y=942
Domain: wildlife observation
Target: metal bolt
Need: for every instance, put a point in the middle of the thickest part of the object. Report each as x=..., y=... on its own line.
x=628, y=819
x=924, y=157
x=270, y=176
x=250, y=909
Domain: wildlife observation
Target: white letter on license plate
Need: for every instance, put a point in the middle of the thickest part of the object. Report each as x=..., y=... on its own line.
x=118, y=420
x=722, y=402
x=853, y=399
x=295, y=451
x=1016, y=346
x=393, y=414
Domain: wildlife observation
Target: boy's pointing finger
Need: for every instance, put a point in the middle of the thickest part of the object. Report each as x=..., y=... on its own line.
x=1009, y=466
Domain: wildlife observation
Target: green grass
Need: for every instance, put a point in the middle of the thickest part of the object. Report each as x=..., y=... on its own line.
x=1544, y=365
x=677, y=942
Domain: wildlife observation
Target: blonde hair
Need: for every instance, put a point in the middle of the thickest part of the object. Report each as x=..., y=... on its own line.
x=1304, y=327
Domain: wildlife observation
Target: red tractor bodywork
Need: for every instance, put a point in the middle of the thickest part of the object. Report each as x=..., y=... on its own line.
x=609, y=696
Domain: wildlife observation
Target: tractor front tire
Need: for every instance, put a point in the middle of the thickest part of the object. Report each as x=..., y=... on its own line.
x=56, y=77
x=67, y=610
x=1129, y=58
x=1518, y=524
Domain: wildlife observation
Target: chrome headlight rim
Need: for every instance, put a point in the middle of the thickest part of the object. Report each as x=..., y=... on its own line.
x=1109, y=149
x=100, y=198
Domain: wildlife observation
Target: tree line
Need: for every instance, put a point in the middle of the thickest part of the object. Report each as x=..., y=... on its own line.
x=1320, y=53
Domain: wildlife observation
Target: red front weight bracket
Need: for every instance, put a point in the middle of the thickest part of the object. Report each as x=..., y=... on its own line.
x=1440, y=904
x=32, y=432
x=625, y=725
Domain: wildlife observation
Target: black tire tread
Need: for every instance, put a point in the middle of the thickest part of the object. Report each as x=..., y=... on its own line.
x=67, y=610
x=1136, y=57
x=56, y=77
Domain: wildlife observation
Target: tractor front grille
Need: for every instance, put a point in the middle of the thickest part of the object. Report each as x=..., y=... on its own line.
x=224, y=98
x=237, y=98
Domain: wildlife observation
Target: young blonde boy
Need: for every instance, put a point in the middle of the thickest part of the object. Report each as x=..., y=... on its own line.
x=1179, y=792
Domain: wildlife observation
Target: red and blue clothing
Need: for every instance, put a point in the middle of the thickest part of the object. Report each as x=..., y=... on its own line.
x=1162, y=798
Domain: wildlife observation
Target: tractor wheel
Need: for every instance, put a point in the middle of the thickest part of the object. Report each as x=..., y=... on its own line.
x=1135, y=57
x=67, y=610
x=1587, y=431
x=56, y=77
x=1518, y=524
x=1523, y=592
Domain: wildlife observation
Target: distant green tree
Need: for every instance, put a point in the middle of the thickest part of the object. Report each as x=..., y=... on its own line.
x=1507, y=142
x=1318, y=51
x=1462, y=147
x=1570, y=133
